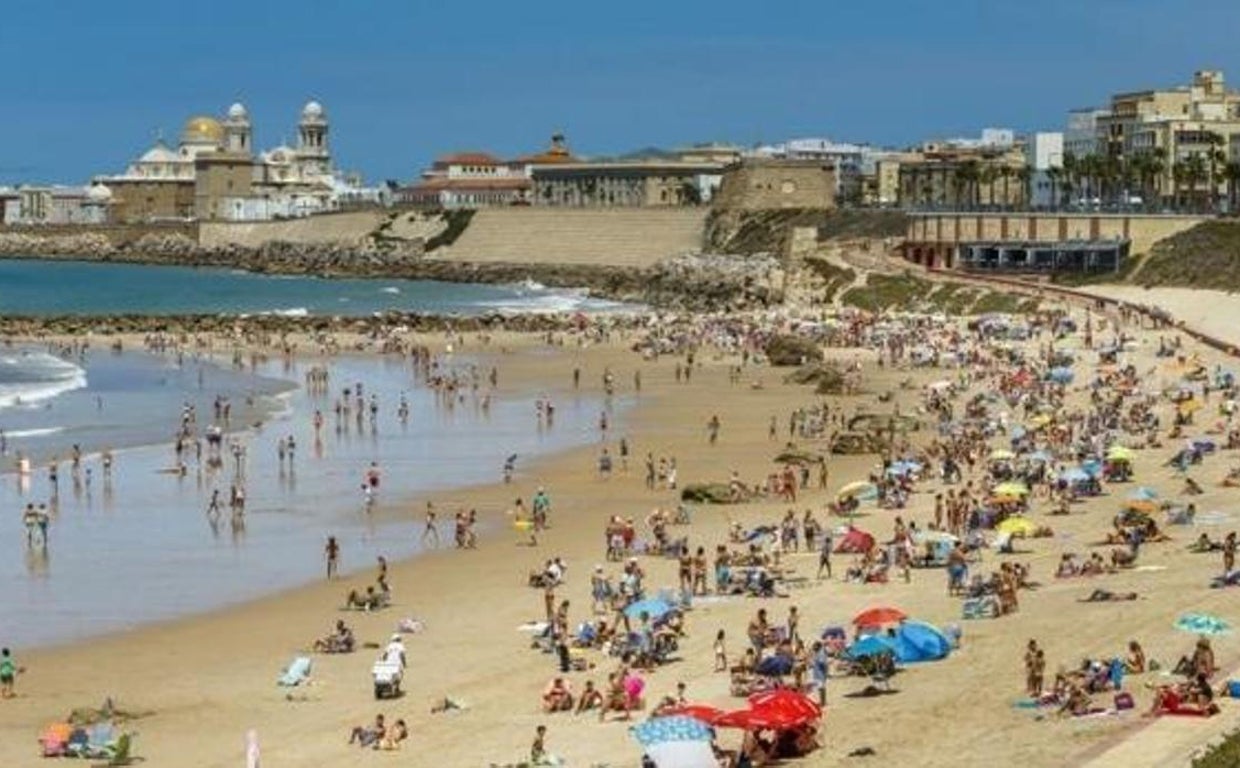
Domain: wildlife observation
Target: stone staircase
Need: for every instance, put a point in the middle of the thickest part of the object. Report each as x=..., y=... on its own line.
x=614, y=236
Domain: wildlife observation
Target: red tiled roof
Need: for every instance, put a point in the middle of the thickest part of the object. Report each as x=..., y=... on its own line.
x=468, y=185
x=467, y=158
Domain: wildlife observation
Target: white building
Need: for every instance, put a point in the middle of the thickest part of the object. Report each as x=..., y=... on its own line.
x=1044, y=156
x=1081, y=137
x=31, y=205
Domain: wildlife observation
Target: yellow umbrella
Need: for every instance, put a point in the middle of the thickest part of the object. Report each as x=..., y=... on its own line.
x=1119, y=453
x=1001, y=454
x=1039, y=421
x=1189, y=406
x=1017, y=526
x=1011, y=489
x=859, y=488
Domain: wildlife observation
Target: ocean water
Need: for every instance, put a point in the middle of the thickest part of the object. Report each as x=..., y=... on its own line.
x=37, y=287
x=140, y=547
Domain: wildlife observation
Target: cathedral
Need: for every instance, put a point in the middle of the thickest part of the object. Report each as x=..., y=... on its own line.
x=214, y=174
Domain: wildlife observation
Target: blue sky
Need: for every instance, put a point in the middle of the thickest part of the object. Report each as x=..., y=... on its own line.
x=87, y=84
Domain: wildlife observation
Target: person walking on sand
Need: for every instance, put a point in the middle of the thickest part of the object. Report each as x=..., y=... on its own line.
x=431, y=531
x=333, y=557
x=712, y=428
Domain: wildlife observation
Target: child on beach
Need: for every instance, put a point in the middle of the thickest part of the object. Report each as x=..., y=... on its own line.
x=721, y=653
x=8, y=674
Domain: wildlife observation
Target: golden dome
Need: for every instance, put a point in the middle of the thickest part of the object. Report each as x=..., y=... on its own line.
x=202, y=130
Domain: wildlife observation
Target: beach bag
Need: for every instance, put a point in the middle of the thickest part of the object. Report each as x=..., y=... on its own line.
x=1124, y=701
x=1233, y=689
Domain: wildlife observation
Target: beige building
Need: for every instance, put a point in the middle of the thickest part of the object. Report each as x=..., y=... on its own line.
x=635, y=184
x=1187, y=131
x=949, y=176
x=767, y=184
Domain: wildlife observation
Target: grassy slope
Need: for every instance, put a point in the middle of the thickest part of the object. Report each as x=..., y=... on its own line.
x=1206, y=256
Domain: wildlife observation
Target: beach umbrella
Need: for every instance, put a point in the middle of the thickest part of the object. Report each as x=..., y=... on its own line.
x=1041, y=456
x=1011, y=489
x=922, y=537
x=672, y=728
x=753, y=720
x=859, y=489
x=774, y=666
x=1001, y=454
x=676, y=742
x=1060, y=375
x=1075, y=475
x=704, y=712
x=1144, y=507
x=1144, y=493
x=1202, y=624
x=1119, y=453
x=877, y=617
x=655, y=607
x=1017, y=526
x=792, y=705
x=940, y=385
x=870, y=645
x=1092, y=467
x=854, y=541
x=1039, y=421
x=901, y=468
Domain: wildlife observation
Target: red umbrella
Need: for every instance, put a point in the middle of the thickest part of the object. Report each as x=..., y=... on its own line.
x=878, y=617
x=786, y=702
x=855, y=541
x=754, y=720
x=704, y=712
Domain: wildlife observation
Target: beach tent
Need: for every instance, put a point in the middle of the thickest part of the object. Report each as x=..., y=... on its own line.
x=870, y=645
x=917, y=641
x=855, y=541
x=676, y=742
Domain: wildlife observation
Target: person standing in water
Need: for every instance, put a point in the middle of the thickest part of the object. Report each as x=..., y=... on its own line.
x=333, y=557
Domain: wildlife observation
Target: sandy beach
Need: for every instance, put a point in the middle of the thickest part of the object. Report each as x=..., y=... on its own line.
x=207, y=680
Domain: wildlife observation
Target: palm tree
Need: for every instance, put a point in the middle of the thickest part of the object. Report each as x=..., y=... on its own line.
x=1194, y=174
x=1025, y=174
x=1217, y=159
x=1157, y=158
x=1231, y=174
x=1071, y=167
x=1053, y=177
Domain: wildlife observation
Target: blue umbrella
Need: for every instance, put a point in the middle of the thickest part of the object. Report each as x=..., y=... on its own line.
x=899, y=468
x=870, y=645
x=1143, y=493
x=652, y=606
x=658, y=730
x=1043, y=456
x=1202, y=624
x=1061, y=375
x=1093, y=467
x=1075, y=475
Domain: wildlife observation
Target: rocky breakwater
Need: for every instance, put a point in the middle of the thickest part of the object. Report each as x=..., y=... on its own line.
x=706, y=282
x=691, y=282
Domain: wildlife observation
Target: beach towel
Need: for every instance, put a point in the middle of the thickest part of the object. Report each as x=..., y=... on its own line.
x=54, y=739
x=409, y=626
x=296, y=673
